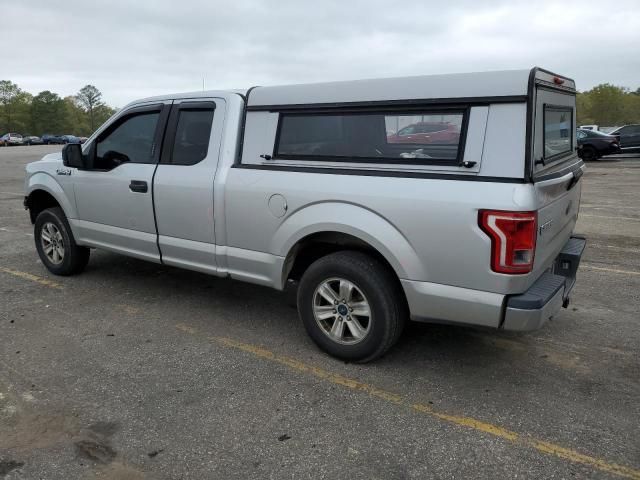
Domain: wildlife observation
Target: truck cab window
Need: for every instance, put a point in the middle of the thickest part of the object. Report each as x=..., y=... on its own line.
x=192, y=136
x=130, y=142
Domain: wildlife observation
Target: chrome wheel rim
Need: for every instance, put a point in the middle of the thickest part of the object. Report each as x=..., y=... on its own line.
x=52, y=243
x=342, y=311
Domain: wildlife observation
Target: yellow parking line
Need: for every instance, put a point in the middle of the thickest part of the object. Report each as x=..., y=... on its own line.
x=396, y=399
x=31, y=277
x=612, y=270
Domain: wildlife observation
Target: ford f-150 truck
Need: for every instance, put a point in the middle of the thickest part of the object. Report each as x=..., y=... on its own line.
x=300, y=186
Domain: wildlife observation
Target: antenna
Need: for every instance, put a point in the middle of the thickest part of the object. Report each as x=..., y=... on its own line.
x=203, y=84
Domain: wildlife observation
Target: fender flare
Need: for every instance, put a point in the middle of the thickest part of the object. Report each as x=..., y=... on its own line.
x=356, y=221
x=44, y=181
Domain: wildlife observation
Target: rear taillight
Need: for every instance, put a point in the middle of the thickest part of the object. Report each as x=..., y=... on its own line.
x=513, y=239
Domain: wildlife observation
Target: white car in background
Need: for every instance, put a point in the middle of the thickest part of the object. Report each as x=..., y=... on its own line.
x=589, y=127
x=11, y=139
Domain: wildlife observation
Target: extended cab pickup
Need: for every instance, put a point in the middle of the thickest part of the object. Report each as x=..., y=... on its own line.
x=318, y=187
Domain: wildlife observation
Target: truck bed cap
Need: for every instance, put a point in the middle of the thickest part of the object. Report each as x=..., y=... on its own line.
x=507, y=83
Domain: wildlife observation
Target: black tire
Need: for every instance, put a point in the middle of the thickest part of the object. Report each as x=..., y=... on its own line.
x=380, y=289
x=589, y=153
x=75, y=258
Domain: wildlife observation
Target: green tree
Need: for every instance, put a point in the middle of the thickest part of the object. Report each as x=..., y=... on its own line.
x=608, y=105
x=76, y=117
x=90, y=98
x=102, y=113
x=14, y=107
x=49, y=114
x=583, y=109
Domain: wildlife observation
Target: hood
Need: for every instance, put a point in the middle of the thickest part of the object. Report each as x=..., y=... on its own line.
x=48, y=162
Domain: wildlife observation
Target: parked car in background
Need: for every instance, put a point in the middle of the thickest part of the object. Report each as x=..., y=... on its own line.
x=607, y=129
x=49, y=139
x=11, y=139
x=629, y=137
x=70, y=139
x=593, y=145
x=426, y=133
x=32, y=140
x=588, y=127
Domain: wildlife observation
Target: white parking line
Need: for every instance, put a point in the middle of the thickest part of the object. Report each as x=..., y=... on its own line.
x=613, y=270
x=612, y=217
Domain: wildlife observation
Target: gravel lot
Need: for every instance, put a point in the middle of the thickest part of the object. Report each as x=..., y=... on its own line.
x=138, y=371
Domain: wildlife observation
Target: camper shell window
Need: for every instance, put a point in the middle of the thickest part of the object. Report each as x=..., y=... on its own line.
x=401, y=137
x=558, y=131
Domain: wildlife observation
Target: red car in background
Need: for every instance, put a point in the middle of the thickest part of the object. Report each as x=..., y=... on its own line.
x=426, y=132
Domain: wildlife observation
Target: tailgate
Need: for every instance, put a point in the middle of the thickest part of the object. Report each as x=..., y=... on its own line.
x=558, y=205
x=556, y=170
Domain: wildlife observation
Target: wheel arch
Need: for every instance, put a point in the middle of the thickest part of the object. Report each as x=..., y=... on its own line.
x=315, y=227
x=44, y=192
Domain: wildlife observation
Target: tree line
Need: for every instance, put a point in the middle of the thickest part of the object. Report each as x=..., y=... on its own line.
x=608, y=106
x=47, y=112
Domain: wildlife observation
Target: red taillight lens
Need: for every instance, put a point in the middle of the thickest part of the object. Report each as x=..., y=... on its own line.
x=513, y=239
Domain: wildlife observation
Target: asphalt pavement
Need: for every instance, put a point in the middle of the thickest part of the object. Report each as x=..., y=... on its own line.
x=140, y=371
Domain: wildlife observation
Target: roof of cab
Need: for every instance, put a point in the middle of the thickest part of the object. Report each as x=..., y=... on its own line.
x=187, y=95
x=507, y=83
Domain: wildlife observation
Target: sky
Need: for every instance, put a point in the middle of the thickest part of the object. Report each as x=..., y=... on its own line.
x=137, y=48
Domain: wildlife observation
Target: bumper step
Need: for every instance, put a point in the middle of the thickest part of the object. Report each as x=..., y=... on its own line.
x=540, y=293
x=531, y=309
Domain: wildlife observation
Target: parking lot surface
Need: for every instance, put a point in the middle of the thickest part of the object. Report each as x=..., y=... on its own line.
x=139, y=371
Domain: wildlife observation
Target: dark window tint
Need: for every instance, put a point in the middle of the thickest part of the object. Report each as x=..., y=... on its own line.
x=192, y=136
x=557, y=130
x=410, y=137
x=131, y=141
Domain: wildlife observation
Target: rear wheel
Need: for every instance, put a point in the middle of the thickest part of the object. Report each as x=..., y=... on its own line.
x=352, y=306
x=55, y=243
x=589, y=153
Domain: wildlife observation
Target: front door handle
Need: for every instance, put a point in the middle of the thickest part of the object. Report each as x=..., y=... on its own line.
x=139, y=186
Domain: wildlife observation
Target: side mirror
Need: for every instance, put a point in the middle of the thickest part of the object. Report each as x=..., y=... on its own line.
x=72, y=156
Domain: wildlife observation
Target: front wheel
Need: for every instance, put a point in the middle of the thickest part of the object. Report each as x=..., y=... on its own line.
x=55, y=243
x=352, y=306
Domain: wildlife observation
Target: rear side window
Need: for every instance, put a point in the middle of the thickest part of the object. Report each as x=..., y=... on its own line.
x=372, y=137
x=558, y=130
x=192, y=136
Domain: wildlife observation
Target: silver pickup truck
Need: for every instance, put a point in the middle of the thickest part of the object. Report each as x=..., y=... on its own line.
x=446, y=198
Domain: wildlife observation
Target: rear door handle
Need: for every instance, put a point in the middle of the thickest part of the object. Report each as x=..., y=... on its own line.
x=139, y=186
